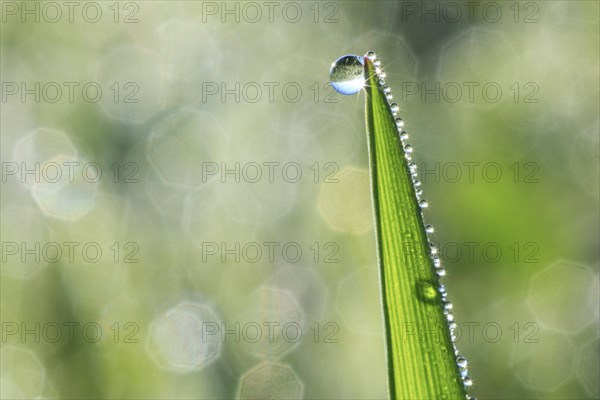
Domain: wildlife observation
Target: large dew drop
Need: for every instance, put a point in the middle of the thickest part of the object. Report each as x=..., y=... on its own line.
x=347, y=74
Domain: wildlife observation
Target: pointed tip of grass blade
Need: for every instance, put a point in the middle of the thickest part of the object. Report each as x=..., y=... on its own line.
x=370, y=74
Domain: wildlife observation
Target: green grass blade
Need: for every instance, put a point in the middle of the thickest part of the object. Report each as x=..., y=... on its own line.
x=420, y=353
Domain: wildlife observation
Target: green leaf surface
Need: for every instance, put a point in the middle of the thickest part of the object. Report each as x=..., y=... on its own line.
x=420, y=353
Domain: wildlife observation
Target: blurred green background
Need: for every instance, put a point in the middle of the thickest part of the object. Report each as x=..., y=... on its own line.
x=215, y=240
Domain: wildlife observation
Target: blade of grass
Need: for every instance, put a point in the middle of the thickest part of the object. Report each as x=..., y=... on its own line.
x=420, y=352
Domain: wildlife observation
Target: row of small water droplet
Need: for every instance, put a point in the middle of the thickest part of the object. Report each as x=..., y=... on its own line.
x=347, y=77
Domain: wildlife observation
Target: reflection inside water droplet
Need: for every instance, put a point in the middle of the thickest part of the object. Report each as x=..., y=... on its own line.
x=347, y=74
